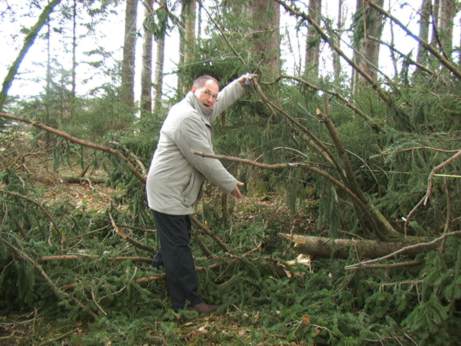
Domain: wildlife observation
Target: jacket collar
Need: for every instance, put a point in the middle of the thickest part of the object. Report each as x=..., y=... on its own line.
x=205, y=113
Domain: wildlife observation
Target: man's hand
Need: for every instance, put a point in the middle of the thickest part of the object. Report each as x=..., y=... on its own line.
x=236, y=192
x=247, y=79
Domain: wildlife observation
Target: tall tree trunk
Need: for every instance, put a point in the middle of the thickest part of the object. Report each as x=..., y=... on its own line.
x=158, y=82
x=187, y=41
x=129, y=53
x=424, y=15
x=367, y=36
x=74, y=58
x=435, y=13
x=28, y=42
x=445, y=30
x=146, y=73
x=339, y=28
x=311, y=66
x=159, y=59
x=266, y=38
x=48, y=81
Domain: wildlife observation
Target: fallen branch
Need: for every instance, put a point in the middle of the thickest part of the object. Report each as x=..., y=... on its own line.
x=94, y=257
x=369, y=210
x=207, y=231
x=375, y=126
x=130, y=240
x=57, y=291
x=410, y=249
x=437, y=169
x=341, y=248
x=41, y=207
x=79, y=141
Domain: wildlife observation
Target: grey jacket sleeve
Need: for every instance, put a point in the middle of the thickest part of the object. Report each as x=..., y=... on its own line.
x=226, y=97
x=192, y=135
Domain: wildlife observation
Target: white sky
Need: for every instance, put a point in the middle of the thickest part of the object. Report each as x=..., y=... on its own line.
x=110, y=36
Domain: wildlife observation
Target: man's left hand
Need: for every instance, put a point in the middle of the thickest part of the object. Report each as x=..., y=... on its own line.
x=247, y=79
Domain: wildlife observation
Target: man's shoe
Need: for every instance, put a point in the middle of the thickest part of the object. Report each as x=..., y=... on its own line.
x=204, y=308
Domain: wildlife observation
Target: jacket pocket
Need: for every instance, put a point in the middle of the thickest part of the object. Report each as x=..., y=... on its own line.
x=192, y=190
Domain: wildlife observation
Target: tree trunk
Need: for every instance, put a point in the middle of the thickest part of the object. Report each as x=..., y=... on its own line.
x=369, y=26
x=159, y=61
x=435, y=12
x=342, y=248
x=146, y=73
x=311, y=67
x=129, y=53
x=28, y=42
x=445, y=29
x=425, y=13
x=339, y=28
x=187, y=41
x=74, y=58
x=266, y=38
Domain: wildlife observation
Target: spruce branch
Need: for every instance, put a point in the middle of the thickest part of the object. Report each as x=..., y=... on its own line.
x=56, y=290
x=373, y=124
x=128, y=239
x=85, y=143
x=414, y=247
x=435, y=170
x=40, y=206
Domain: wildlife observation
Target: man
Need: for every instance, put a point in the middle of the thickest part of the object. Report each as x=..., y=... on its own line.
x=176, y=176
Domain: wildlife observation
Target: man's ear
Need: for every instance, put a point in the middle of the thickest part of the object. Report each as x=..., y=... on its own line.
x=193, y=89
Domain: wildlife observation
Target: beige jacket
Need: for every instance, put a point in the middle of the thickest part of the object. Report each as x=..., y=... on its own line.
x=176, y=174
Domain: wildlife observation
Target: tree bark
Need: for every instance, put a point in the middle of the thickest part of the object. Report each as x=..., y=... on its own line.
x=370, y=24
x=311, y=66
x=146, y=73
x=339, y=28
x=74, y=59
x=265, y=41
x=160, y=59
x=424, y=15
x=187, y=41
x=129, y=53
x=445, y=28
x=28, y=42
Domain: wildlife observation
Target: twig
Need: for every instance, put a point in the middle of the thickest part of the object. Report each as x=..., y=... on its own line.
x=96, y=303
x=437, y=169
x=93, y=257
x=207, y=231
x=402, y=250
x=389, y=265
x=130, y=240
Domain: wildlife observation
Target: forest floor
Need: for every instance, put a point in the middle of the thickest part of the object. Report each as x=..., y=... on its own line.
x=233, y=323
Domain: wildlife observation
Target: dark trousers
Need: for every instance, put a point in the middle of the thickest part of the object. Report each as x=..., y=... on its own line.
x=181, y=278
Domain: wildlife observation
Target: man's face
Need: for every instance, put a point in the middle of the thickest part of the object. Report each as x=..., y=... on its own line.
x=207, y=94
